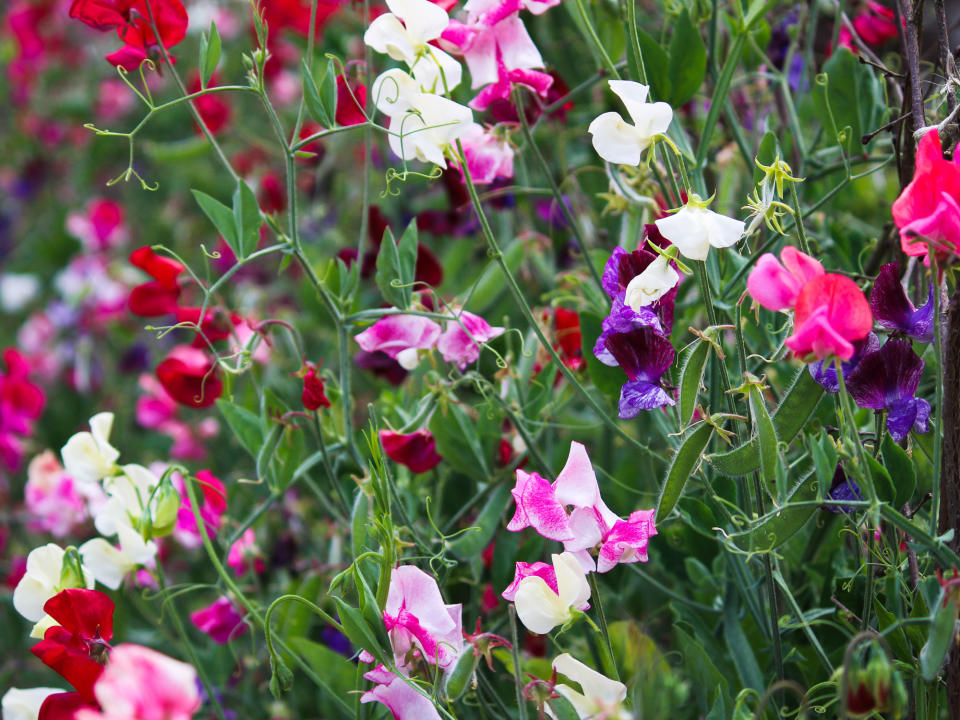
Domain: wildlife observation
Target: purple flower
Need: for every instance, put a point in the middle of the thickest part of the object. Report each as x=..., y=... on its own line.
x=887, y=379
x=644, y=354
x=825, y=371
x=842, y=488
x=623, y=266
x=893, y=310
x=622, y=319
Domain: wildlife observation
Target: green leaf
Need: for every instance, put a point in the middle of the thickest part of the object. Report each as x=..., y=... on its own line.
x=396, y=266
x=781, y=526
x=882, y=483
x=656, y=64
x=824, y=456
x=246, y=219
x=940, y=639
x=357, y=630
x=333, y=667
x=788, y=419
x=209, y=54
x=245, y=425
x=471, y=543
x=458, y=441
x=681, y=466
x=766, y=435
x=607, y=380
x=688, y=60
x=691, y=378
x=855, y=98
x=321, y=100
x=222, y=218
x=901, y=469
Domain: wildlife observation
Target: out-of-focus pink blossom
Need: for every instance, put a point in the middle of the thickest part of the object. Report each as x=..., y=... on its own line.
x=52, y=499
x=158, y=411
x=220, y=621
x=214, y=496
x=101, y=226
x=245, y=555
x=21, y=403
x=875, y=26
x=142, y=684
x=417, y=619
x=114, y=100
x=401, y=699
x=461, y=339
x=489, y=155
x=400, y=337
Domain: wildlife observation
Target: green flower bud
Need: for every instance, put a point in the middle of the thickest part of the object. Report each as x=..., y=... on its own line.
x=165, y=505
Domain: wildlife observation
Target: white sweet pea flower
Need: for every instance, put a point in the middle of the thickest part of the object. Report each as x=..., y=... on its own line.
x=601, y=696
x=694, y=229
x=131, y=500
x=404, y=34
x=88, y=456
x=110, y=564
x=540, y=608
x=24, y=704
x=657, y=280
x=45, y=577
x=619, y=142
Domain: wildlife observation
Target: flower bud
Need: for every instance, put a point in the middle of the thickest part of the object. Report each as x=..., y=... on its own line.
x=166, y=501
x=71, y=571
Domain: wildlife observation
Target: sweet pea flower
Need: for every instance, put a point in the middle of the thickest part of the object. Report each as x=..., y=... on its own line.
x=88, y=457
x=159, y=296
x=52, y=498
x=213, y=495
x=313, y=396
x=416, y=450
x=244, y=554
x=694, y=229
x=417, y=619
x=141, y=684
x=131, y=18
x=404, y=34
x=507, y=78
x=101, y=227
x=887, y=379
x=24, y=704
x=400, y=337
x=48, y=572
x=830, y=314
x=220, y=621
x=893, y=310
x=653, y=283
x=489, y=154
x=620, y=142
x=540, y=607
x=190, y=376
x=599, y=696
x=403, y=701
x=461, y=339
x=928, y=210
x=644, y=355
x=523, y=570
x=776, y=286
x=109, y=564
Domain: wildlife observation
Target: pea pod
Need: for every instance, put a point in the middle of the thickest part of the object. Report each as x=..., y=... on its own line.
x=460, y=679
x=681, y=466
x=691, y=377
x=781, y=526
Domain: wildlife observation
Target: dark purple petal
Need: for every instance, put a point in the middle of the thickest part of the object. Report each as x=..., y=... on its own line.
x=894, y=311
x=888, y=374
x=622, y=319
x=611, y=273
x=842, y=488
x=825, y=372
x=381, y=365
x=643, y=353
x=921, y=321
x=922, y=423
x=900, y=419
x=622, y=267
x=641, y=395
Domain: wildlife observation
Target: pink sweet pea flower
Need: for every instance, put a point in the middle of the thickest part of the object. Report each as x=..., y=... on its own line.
x=214, y=506
x=928, y=210
x=590, y=524
x=461, y=340
x=489, y=155
x=417, y=619
x=141, y=684
x=777, y=286
x=400, y=337
x=403, y=701
x=220, y=621
x=52, y=498
x=538, y=569
x=101, y=226
x=244, y=554
x=831, y=313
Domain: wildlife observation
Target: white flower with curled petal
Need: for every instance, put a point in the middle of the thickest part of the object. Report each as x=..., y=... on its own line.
x=694, y=229
x=88, y=456
x=601, y=697
x=24, y=704
x=616, y=140
x=131, y=501
x=109, y=564
x=45, y=577
x=653, y=283
x=404, y=34
x=541, y=608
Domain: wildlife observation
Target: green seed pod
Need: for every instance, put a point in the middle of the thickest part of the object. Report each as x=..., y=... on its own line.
x=461, y=678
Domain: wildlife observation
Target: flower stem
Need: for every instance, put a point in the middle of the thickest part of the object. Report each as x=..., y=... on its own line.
x=606, y=657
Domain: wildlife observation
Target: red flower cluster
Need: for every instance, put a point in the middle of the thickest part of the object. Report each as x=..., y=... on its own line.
x=134, y=21
x=313, y=396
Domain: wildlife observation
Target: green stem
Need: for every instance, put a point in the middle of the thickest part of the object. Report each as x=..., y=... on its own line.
x=595, y=39
x=938, y=418
x=606, y=657
x=719, y=95
x=515, y=651
x=801, y=233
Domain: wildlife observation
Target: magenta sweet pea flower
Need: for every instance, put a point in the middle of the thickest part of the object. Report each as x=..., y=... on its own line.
x=776, y=286
x=400, y=337
x=403, y=701
x=416, y=450
x=220, y=621
x=461, y=339
x=894, y=311
x=539, y=508
x=417, y=619
x=244, y=554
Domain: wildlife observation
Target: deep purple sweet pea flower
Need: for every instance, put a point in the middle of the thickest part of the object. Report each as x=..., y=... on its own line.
x=842, y=488
x=622, y=319
x=887, y=379
x=644, y=354
x=623, y=266
x=825, y=371
x=893, y=310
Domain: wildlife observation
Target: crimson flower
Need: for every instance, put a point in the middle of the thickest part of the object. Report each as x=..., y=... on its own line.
x=77, y=647
x=131, y=19
x=313, y=396
x=159, y=296
x=190, y=376
x=417, y=450
x=214, y=110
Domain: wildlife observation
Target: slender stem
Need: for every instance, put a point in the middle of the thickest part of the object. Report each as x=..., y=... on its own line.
x=801, y=233
x=607, y=658
x=595, y=39
x=515, y=650
x=938, y=436
x=719, y=95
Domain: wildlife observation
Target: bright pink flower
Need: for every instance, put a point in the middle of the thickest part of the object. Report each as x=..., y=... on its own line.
x=461, y=339
x=522, y=570
x=417, y=619
x=245, y=555
x=875, y=26
x=403, y=701
x=158, y=297
x=775, y=286
x=220, y=621
x=190, y=376
x=928, y=210
x=538, y=507
x=131, y=18
x=212, y=510
x=416, y=450
x=102, y=226
x=52, y=499
x=489, y=156
x=400, y=336
x=21, y=402
x=142, y=684
x=831, y=313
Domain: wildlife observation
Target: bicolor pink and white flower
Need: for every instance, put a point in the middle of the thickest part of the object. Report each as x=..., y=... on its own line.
x=418, y=621
x=403, y=701
x=245, y=555
x=590, y=524
x=542, y=606
x=53, y=500
x=488, y=153
x=401, y=337
x=463, y=336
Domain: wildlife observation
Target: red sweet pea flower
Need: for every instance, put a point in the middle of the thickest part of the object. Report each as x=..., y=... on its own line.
x=159, y=297
x=830, y=314
x=418, y=450
x=131, y=18
x=295, y=14
x=190, y=376
x=313, y=396
x=351, y=102
x=77, y=647
x=214, y=110
x=62, y=706
x=216, y=325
